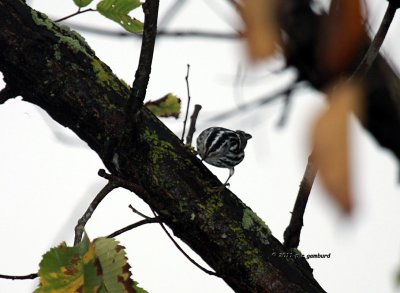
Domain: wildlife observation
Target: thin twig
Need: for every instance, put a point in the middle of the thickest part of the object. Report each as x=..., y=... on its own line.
x=138, y=213
x=133, y=226
x=142, y=75
x=286, y=108
x=74, y=14
x=188, y=102
x=79, y=228
x=253, y=104
x=171, y=12
x=192, y=126
x=373, y=50
x=131, y=185
x=25, y=277
x=183, y=252
x=178, y=34
x=292, y=232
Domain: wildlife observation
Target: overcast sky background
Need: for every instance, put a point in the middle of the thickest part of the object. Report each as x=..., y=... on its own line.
x=48, y=176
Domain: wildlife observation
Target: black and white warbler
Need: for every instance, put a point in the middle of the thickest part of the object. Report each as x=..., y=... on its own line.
x=222, y=147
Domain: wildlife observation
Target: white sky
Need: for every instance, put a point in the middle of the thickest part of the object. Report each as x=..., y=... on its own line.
x=48, y=176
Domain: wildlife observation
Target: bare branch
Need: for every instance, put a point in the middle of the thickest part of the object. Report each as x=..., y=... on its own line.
x=292, y=232
x=135, y=187
x=253, y=104
x=376, y=43
x=142, y=75
x=160, y=33
x=133, y=226
x=25, y=277
x=79, y=228
x=188, y=102
x=183, y=252
x=138, y=213
x=192, y=127
x=74, y=14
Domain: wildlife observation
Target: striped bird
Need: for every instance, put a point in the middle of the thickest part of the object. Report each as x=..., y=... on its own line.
x=222, y=147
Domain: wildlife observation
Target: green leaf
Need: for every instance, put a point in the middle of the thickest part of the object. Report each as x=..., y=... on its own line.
x=167, y=106
x=114, y=263
x=99, y=266
x=82, y=3
x=69, y=269
x=118, y=10
x=138, y=289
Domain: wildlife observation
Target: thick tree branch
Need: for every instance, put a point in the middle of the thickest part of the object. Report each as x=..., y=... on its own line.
x=55, y=69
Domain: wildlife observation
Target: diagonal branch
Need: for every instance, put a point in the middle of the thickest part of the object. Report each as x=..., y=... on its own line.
x=142, y=75
x=292, y=232
x=80, y=226
x=374, y=47
x=79, y=91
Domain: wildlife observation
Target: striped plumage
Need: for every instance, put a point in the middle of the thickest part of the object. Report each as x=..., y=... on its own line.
x=222, y=147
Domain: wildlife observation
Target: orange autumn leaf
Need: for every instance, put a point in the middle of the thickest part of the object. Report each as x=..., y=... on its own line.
x=342, y=37
x=262, y=32
x=331, y=143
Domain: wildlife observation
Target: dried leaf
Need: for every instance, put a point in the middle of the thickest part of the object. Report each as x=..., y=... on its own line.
x=262, y=33
x=342, y=37
x=167, y=106
x=331, y=143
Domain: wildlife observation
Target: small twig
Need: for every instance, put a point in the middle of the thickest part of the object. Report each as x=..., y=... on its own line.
x=171, y=12
x=25, y=277
x=74, y=14
x=192, y=126
x=188, y=102
x=133, y=226
x=79, y=228
x=286, y=108
x=138, y=213
x=373, y=50
x=253, y=104
x=177, y=34
x=183, y=252
x=292, y=232
x=133, y=186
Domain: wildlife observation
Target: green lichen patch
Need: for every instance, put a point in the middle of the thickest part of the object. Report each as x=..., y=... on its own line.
x=74, y=41
x=106, y=78
x=250, y=221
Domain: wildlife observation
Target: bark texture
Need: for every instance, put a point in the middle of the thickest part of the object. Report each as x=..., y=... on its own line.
x=53, y=67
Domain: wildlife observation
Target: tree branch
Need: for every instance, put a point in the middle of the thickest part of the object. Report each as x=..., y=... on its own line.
x=188, y=101
x=133, y=226
x=67, y=80
x=80, y=226
x=74, y=14
x=373, y=50
x=142, y=75
x=177, y=34
x=192, y=126
x=292, y=232
x=25, y=277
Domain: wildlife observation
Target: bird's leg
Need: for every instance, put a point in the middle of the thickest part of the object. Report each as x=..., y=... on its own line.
x=231, y=172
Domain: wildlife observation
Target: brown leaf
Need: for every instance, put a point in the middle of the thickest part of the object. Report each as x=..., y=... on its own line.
x=342, y=37
x=331, y=142
x=262, y=33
